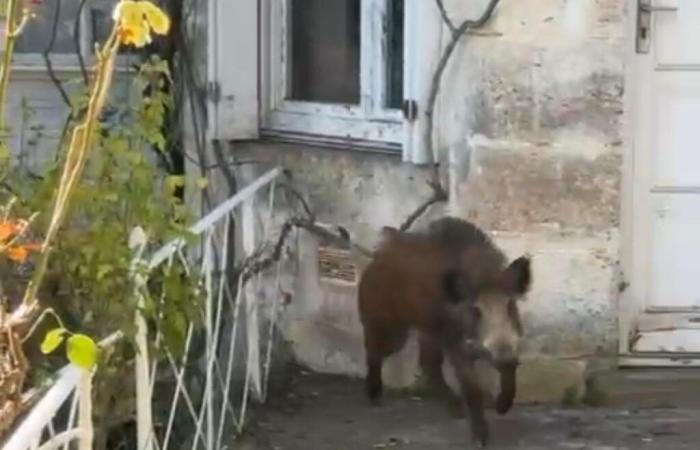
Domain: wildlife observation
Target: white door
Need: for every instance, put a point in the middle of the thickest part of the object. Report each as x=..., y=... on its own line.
x=665, y=277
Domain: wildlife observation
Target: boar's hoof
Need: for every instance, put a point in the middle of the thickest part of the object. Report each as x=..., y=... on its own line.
x=504, y=403
x=480, y=439
x=455, y=407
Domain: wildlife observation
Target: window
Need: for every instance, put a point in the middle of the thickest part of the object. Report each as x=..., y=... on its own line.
x=329, y=72
x=92, y=22
x=336, y=71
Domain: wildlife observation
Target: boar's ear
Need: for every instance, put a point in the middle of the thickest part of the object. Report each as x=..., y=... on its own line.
x=456, y=287
x=518, y=277
x=387, y=233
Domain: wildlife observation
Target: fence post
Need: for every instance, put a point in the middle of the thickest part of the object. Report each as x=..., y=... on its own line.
x=250, y=239
x=85, y=410
x=144, y=416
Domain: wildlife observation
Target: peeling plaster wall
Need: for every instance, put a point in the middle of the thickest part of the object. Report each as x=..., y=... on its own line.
x=530, y=120
x=534, y=137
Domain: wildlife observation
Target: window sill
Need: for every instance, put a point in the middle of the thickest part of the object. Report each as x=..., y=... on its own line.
x=67, y=64
x=329, y=142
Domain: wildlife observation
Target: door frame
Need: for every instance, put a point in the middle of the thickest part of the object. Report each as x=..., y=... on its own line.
x=630, y=301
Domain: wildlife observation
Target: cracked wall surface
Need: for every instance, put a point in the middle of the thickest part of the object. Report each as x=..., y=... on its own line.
x=530, y=123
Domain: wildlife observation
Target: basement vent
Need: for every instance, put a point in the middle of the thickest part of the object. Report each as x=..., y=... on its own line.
x=336, y=265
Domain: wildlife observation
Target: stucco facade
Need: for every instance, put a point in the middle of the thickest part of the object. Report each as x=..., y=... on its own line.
x=530, y=134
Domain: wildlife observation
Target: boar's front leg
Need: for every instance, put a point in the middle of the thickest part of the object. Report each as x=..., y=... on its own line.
x=431, y=358
x=468, y=378
x=506, y=397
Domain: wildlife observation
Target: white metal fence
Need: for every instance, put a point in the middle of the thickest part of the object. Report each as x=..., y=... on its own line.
x=200, y=399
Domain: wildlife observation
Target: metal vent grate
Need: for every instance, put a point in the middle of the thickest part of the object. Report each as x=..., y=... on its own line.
x=336, y=265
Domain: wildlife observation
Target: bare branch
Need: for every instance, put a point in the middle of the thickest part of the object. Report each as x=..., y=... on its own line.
x=77, y=42
x=440, y=69
x=300, y=198
x=439, y=195
x=481, y=21
x=342, y=238
x=47, y=56
x=259, y=262
x=226, y=171
x=255, y=263
x=445, y=16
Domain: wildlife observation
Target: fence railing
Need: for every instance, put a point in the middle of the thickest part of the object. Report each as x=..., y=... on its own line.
x=226, y=359
x=71, y=386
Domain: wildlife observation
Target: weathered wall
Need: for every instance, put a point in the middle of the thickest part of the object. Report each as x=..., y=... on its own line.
x=530, y=122
x=535, y=135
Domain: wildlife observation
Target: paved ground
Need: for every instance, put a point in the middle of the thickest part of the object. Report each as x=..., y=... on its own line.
x=316, y=412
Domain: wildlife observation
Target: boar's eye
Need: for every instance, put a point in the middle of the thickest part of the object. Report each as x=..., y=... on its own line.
x=456, y=287
x=450, y=286
x=476, y=312
x=512, y=305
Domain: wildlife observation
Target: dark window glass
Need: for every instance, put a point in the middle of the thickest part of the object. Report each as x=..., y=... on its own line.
x=36, y=37
x=395, y=27
x=325, y=51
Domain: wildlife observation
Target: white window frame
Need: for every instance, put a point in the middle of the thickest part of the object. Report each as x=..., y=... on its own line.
x=368, y=124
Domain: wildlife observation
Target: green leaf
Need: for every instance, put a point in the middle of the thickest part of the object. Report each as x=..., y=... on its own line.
x=52, y=340
x=202, y=183
x=102, y=270
x=158, y=140
x=173, y=182
x=82, y=351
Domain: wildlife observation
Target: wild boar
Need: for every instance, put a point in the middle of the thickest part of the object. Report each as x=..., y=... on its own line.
x=454, y=286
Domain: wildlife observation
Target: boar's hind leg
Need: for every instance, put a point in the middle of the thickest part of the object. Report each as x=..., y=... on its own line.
x=379, y=344
x=471, y=388
x=431, y=358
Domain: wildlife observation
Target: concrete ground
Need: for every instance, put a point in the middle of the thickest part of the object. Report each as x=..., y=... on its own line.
x=317, y=412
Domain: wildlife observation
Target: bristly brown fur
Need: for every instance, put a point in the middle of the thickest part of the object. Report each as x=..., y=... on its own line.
x=430, y=282
x=454, y=245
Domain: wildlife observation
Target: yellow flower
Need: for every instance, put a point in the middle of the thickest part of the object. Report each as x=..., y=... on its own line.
x=136, y=20
x=157, y=19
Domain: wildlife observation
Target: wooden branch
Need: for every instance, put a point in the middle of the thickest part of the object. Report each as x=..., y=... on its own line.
x=457, y=33
x=445, y=16
x=300, y=198
x=439, y=195
x=259, y=262
x=342, y=238
x=481, y=21
x=46, y=54
x=256, y=263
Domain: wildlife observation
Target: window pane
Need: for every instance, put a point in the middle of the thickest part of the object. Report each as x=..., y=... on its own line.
x=101, y=24
x=394, y=71
x=37, y=35
x=325, y=51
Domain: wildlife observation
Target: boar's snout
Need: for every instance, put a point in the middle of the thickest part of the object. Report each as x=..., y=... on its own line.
x=504, y=353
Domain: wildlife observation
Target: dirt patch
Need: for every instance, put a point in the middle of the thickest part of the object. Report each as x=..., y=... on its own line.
x=317, y=412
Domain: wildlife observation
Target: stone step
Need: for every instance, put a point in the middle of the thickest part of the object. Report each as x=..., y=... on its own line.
x=650, y=388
